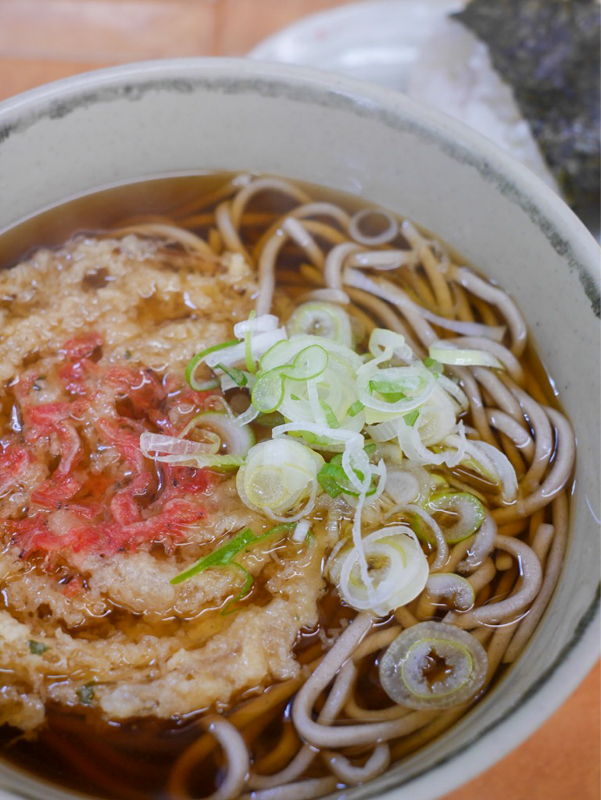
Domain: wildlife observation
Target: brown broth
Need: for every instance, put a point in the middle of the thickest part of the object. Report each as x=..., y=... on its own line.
x=77, y=748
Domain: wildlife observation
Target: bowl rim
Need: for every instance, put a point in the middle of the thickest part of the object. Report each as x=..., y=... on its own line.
x=557, y=222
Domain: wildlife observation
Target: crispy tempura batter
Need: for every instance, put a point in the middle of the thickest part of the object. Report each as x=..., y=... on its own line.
x=95, y=338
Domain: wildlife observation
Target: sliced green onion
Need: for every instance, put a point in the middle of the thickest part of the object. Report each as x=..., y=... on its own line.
x=411, y=417
x=308, y=364
x=405, y=668
x=176, y=450
x=37, y=648
x=223, y=556
x=489, y=462
x=397, y=569
x=219, y=431
x=334, y=481
x=391, y=391
x=437, y=417
x=198, y=359
x=219, y=463
x=220, y=557
x=301, y=531
x=248, y=582
x=237, y=441
x=385, y=343
x=278, y=477
x=321, y=319
x=234, y=374
x=254, y=324
x=331, y=419
x=268, y=391
x=171, y=450
x=283, y=352
x=468, y=358
x=394, y=390
x=355, y=409
x=433, y=365
x=459, y=514
x=402, y=485
x=248, y=352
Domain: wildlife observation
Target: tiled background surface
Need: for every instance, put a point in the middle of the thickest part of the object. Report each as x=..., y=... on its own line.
x=43, y=40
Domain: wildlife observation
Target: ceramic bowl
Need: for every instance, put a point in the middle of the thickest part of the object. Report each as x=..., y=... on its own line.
x=174, y=117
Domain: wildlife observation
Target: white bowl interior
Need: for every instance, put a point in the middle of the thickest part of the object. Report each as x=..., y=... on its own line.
x=184, y=117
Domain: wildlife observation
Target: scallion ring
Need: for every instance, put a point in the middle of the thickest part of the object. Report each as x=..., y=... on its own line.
x=433, y=665
x=279, y=477
x=459, y=515
x=199, y=358
x=321, y=319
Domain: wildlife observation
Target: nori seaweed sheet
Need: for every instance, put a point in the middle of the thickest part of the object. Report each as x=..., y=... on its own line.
x=548, y=51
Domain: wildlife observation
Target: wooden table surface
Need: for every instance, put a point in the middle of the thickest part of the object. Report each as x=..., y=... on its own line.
x=43, y=40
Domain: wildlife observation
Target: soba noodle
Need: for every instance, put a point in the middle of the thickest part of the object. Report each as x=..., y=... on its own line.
x=479, y=587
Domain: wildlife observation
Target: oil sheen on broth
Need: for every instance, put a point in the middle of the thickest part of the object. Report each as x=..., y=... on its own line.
x=162, y=587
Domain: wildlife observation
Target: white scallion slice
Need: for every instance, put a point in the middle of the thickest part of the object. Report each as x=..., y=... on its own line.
x=284, y=352
x=397, y=568
x=405, y=668
x=489, y=462
x=383, y=342
x=234, y=440
x=437, y=417
x=446, y=354
x=455, y=391
x=301, y=531
x=323, y=320
x=260, y=343
x=279, y=479
x=394, y=390
x=262, y=324
x=459, y=514
x=322, y=437
x=203, y=357
x=402, y=486
x=174, y=450
x=184, y=452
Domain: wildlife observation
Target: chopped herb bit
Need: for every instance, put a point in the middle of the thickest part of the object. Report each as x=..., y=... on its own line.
x=128, y=354
x=330, y=478
x=198, y=358
x=355, y=408
x=334, y=481
x=230, y=607
x=248, y=352
x=37, y=648
x=224, y=555
x=411, y=417
x=235, y=374
x=85, y=694
x=331, y=419
x=433, y=365
x=390, y=391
